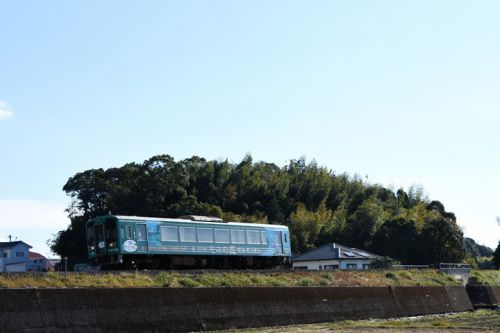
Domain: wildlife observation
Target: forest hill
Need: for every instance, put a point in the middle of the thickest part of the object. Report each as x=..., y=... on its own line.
x=317, y=205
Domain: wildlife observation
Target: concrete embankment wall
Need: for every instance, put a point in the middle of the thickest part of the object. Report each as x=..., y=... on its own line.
x=484, y=296
x=194, y=309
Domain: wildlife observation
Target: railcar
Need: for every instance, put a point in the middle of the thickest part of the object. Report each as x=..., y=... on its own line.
x=129, y=242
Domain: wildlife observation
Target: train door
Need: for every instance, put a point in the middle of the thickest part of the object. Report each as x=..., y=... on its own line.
x=142, y=237
x=278, y=242
x=111, y=235
x=91, y=246
x=285, y=241
x=99, y=239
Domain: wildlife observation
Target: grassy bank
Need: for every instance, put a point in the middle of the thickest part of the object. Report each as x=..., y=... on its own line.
x=485, y=278
x=227, y=279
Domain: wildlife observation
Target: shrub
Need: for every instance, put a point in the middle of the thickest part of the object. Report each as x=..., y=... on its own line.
x=384, y=263
x=306, y=282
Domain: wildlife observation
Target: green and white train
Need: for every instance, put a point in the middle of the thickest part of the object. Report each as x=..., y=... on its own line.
x=128, y=242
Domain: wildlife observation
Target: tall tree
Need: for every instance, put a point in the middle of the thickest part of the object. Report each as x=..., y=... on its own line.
x=398, y=239
x=442, y=241
x=496, y=257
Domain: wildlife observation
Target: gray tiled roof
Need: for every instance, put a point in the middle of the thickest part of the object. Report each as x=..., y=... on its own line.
x=334, y=251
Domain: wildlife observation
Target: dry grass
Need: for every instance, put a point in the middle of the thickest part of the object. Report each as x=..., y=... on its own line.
x=226, y=279
x=485, y=277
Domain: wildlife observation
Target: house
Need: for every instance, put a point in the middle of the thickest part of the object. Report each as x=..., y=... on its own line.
x=334, y=256
x=39, y=263
x=14, y=256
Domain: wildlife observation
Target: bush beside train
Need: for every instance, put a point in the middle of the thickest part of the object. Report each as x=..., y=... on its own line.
x=130, y=242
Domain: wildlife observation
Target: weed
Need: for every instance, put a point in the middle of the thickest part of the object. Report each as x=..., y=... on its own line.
x=306, y=282
x=188, y=282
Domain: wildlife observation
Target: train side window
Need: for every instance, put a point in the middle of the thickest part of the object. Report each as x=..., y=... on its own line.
x=222, y=236
x=205, y=235
x=169, y=234
x=263, y=237
x=187, y=234
x=253, y=237
x=141, y=232
x=237, y=236
x=129, y=232
x=277, y=237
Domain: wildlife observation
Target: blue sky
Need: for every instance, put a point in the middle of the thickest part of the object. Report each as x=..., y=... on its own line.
x=406, y=93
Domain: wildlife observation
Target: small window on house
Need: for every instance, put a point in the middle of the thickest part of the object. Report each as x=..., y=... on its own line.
x=300, y=267
x=331, y=266
x=19, y=254
x=5, y=254
x=351, y=266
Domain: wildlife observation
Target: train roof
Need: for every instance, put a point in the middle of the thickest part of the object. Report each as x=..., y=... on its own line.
x=168, y=219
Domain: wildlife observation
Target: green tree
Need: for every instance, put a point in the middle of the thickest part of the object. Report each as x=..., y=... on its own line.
x=364, y=223
x=398, y=239
x=496, y=257
x=442, y=241
x=305, y=226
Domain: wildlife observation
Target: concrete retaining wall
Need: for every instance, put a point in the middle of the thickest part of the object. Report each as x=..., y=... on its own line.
x=484, y=296
x=193, y=309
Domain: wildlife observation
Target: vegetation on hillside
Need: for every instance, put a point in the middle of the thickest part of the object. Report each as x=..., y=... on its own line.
x=317, y=204
x=478, y=256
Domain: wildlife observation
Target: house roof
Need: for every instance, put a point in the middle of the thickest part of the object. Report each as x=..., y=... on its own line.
x=35, y=255
x=12, y=244
x=335, y=251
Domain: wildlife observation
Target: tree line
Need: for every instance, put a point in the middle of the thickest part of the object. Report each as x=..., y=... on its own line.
x=318, y=205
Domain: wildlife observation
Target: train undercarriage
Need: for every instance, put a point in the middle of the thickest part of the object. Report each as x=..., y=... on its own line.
x=132, y=262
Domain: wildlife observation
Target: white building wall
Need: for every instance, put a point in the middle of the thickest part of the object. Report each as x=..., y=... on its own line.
x=12, y=258
x=314, y=264
x=21, y=267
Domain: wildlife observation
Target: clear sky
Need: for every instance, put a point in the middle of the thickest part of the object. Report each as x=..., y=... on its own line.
x=403, y=92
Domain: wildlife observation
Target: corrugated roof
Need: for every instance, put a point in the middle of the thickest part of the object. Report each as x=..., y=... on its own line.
x=334, y=251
